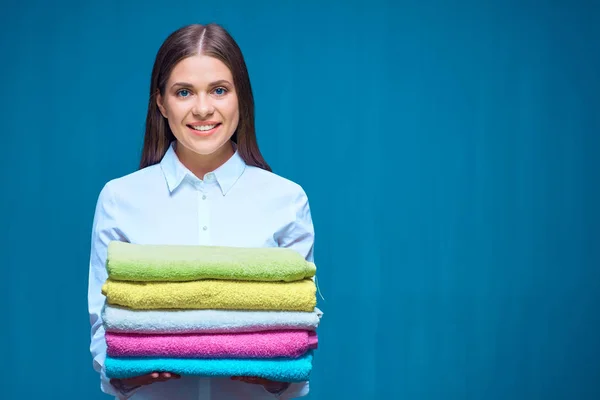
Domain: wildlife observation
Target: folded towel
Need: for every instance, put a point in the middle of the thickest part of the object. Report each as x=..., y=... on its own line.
x=135, y=262
x=119, y=319
x=275, y=369
x=273, y=344
x=213, y=294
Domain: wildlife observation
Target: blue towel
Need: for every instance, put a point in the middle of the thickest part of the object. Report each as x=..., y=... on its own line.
x=275, y=369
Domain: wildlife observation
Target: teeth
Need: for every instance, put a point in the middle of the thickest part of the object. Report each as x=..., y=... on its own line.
x=203, y=127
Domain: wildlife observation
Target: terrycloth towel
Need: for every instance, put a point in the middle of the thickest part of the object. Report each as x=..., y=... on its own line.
x=275, y=369
x=274, y=344
x=213, y=294
x=119, y=319
x=174, y=263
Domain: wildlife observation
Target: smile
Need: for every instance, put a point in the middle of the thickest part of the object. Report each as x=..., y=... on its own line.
x=204, y=130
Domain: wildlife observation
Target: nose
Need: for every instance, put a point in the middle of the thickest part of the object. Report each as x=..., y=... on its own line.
x=203, y=106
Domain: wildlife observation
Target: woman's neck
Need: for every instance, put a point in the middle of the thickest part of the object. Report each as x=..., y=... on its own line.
x=200, y=164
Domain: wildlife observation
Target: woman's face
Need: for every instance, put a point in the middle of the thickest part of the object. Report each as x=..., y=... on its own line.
x=201, y=105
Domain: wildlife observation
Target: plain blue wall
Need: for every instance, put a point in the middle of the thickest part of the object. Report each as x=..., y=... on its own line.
x=450, y=151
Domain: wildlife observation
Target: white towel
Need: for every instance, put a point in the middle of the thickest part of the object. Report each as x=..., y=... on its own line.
x=120, y=319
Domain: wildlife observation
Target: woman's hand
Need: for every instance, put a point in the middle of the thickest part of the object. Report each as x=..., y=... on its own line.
x=143, y=380
x=270, y=386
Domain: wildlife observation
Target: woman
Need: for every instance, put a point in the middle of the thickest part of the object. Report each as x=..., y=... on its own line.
x=203, y=181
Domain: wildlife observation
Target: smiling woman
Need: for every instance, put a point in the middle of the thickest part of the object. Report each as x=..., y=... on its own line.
x=201, y=105
x=200, y=78
x=202, y=181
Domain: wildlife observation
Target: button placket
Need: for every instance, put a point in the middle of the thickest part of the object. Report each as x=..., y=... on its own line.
x=203, y=216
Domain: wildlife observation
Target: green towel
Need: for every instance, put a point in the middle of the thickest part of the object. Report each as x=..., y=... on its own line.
x=179, y=263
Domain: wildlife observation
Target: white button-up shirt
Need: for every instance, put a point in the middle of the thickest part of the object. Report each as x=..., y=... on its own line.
x=235, y=205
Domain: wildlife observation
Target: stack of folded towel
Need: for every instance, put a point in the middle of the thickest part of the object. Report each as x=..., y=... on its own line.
x=209, y=311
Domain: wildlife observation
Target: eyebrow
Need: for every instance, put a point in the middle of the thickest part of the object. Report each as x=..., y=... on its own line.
x=215, y=83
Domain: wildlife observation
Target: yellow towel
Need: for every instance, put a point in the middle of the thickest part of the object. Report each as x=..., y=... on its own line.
x=213, y=294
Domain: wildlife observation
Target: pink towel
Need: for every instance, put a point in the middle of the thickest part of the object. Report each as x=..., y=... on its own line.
x=270, y=344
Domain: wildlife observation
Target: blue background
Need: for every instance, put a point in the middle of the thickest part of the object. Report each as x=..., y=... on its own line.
x=450, y=151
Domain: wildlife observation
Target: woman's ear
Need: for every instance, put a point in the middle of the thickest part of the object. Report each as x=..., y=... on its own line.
x=159, y=103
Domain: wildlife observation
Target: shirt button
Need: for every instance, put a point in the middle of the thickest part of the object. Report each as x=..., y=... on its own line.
x=203, y=197
x=204, y=227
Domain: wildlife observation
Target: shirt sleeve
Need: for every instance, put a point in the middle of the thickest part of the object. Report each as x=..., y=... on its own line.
x=104, y=230
x=300, y=236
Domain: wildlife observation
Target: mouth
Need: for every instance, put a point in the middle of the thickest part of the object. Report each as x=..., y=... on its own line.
x=204, y=129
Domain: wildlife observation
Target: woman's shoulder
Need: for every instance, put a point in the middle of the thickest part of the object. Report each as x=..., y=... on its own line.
x=273, y=182
x=135, y=182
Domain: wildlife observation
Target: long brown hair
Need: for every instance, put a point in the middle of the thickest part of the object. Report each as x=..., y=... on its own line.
x=214, y=41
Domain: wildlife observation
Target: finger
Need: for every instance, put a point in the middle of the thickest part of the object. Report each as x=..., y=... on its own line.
x=169, y=375
x=136, y=380
x=254, y=380
x=162, y=377
x=149, y=378
x=140, y=380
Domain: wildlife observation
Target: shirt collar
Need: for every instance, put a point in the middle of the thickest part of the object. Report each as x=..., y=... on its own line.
x=226, y=175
